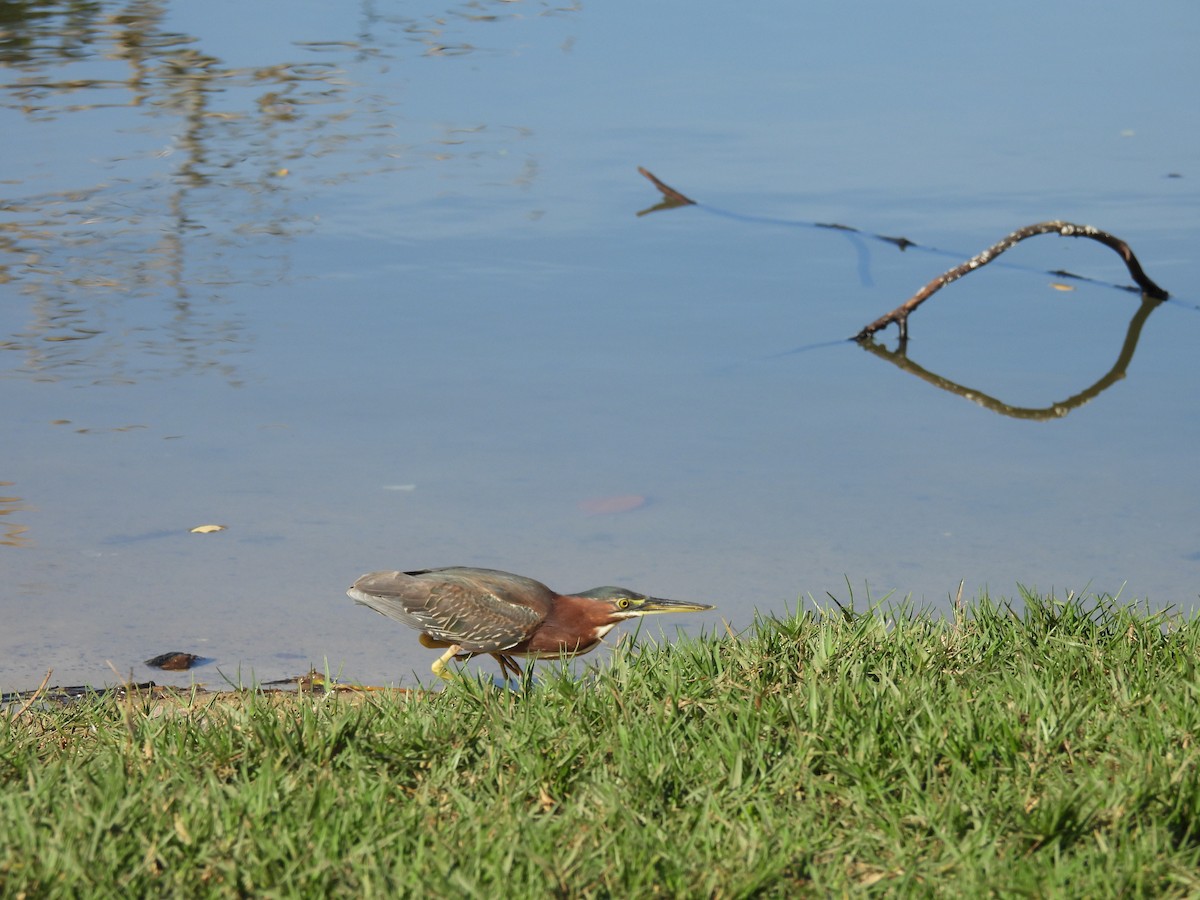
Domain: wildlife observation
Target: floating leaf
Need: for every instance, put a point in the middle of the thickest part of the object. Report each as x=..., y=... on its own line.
x=206, y=529
x=1058, y=286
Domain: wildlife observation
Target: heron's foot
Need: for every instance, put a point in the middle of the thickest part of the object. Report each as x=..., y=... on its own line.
x=508, y=664
x=439, y=667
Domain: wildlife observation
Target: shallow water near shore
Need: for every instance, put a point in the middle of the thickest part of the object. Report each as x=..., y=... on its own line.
x=373, y=292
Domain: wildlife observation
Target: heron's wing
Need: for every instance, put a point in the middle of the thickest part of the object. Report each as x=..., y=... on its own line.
x=457, y=609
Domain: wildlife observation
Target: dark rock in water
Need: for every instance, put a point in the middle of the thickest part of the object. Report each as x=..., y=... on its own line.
x=175, y=661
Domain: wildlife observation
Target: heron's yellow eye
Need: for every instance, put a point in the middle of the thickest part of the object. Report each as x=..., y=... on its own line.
x=623, y=603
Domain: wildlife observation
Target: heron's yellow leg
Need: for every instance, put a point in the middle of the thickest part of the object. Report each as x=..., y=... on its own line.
x=439, y=667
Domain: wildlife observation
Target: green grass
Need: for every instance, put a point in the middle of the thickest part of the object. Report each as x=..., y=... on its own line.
x=1050, y=752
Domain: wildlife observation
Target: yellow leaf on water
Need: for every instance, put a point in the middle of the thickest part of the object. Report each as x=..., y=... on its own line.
x=206, y=529
x=1061, y=287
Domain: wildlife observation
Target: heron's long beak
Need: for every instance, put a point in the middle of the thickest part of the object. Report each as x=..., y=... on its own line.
x=658, y=605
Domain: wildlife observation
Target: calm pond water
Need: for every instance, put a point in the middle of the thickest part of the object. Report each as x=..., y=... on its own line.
x=367, y=285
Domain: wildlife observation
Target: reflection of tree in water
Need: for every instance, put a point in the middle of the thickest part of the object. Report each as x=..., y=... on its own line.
x=12, y=534
x=213, y=204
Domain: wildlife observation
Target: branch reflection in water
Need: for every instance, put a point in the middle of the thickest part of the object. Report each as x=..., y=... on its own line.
x=899, y=358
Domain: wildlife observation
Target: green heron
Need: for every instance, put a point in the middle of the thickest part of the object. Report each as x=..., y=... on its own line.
x=471, y=611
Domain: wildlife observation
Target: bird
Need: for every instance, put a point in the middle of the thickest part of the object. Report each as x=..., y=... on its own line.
x=469, y=611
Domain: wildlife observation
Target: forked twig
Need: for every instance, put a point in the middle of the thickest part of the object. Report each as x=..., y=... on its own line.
x=900, y=314
x=672, y=196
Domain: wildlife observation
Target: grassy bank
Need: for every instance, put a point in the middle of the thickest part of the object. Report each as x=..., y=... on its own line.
x=1050, y=753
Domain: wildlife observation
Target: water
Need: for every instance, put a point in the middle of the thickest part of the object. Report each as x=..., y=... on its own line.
x=370, y=290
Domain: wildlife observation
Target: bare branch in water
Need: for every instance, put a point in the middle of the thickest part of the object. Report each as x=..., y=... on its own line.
x=900, y=314
x=673, y=198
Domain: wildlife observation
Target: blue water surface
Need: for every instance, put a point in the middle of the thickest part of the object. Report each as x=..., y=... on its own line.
x=366, y=284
